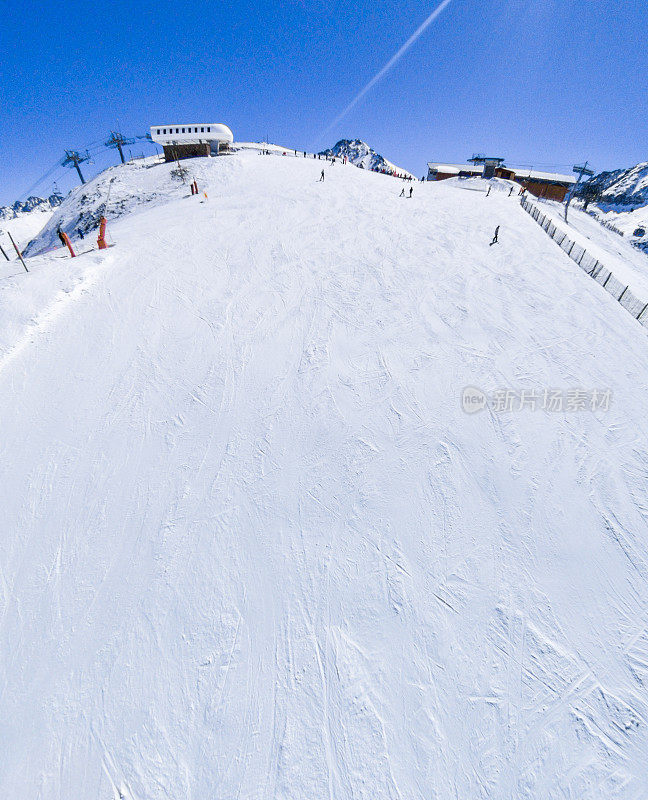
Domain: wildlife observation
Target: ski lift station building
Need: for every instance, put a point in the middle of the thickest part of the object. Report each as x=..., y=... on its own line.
x=192, y=140
x=551, y=185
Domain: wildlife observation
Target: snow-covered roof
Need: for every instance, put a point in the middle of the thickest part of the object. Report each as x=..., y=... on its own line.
x=542, y=176
x=455, y=169
x=477, y=169
x=193, y=133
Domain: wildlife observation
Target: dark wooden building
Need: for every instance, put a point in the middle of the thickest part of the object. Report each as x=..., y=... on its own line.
x=551, y=185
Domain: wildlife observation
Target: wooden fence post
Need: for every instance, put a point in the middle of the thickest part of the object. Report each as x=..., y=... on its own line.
x=22, y=260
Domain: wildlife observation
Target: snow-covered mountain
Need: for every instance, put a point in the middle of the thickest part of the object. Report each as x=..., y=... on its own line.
x=24, y=219
x=360, y=154
x=623, y=201
x=253, y=547
x=45, y=204
x=623, y=187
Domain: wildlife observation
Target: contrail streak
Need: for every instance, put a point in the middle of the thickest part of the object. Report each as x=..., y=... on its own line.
x=393, y=60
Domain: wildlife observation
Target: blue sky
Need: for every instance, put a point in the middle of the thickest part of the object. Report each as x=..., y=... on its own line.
x=540, y=82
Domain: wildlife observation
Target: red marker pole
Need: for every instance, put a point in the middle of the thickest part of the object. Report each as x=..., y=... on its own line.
x=66, y=240
x=101, y=239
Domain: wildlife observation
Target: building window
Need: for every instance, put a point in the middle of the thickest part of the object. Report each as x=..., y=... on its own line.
x=202, y=130
x=177, y=130
x=208, y=130
x=158, y=132
x=164, y=131
x=183, y=130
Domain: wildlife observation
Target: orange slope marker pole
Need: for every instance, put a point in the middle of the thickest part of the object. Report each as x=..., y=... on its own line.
x=67, y=241
x=101, y=239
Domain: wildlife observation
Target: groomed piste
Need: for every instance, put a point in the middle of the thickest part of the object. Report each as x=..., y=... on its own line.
x=253, y=547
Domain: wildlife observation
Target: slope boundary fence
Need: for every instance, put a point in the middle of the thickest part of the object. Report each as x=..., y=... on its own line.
x=590, y=265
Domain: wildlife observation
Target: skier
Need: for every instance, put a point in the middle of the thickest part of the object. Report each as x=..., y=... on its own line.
x=489, y=191
x=59, y=233
x=322, y=176
x=511, y=191
x=402, y=194
x=411, y=190
x=495, y=237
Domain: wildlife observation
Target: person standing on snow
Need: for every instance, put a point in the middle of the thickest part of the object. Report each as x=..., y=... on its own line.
x=402, y=194
x=322, y=176
x=495, y=237
x=489, y=191
x=411, y=190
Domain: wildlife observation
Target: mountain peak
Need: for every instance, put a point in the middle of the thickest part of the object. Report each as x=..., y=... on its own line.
x=363, y=156
x=31, y=204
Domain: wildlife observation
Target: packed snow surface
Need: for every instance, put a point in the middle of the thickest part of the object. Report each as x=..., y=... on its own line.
x=251, y=545
x=22, y=227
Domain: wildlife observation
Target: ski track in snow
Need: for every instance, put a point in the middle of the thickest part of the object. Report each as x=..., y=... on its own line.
x=253, y=548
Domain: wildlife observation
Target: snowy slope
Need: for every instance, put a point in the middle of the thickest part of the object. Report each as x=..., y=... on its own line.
x=112, y=193
x=24, y=219
x=627, y=263
x=23, y=227
x=632, y=222
x=253, y=548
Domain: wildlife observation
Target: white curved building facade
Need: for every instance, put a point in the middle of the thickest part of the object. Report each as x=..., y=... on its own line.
x=192, y=140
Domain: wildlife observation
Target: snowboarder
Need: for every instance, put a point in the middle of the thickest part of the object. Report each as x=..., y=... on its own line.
x=322, y=176
x=495, y=237
x=411, y=190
